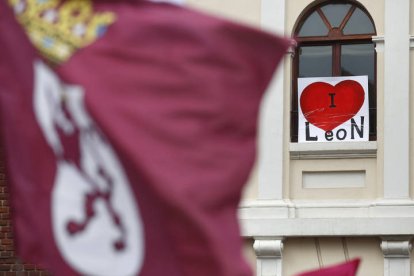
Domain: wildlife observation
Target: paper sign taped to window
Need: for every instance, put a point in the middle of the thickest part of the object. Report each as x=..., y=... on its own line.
x=333, y=109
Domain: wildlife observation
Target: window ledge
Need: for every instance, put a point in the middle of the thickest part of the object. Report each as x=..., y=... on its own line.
x=345, y=150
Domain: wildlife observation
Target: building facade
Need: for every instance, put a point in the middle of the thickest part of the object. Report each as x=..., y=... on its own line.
x=309, y=205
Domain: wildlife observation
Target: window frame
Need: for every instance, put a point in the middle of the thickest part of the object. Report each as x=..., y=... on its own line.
x=334, y=38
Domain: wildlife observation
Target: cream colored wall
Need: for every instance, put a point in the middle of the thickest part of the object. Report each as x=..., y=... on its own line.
x=246, y=11
x=293, y=10
x=303, y=254
x=251, y=188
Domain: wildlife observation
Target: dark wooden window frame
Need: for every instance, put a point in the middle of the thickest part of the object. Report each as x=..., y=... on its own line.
x=335, y=38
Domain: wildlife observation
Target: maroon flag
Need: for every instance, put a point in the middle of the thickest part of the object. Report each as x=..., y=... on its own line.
x=345, y=269
x=129, y=140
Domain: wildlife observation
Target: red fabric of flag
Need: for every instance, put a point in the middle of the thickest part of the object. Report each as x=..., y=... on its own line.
x=345, y=269
x=129, y=157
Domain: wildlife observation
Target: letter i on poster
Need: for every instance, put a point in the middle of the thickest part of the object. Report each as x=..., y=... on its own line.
x=333, y=109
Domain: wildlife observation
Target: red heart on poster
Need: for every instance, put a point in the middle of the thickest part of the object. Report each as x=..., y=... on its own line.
x=326, y=106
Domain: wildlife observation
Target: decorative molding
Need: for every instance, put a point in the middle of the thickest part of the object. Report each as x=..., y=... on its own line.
x=379, y=43
x=271, y=130
x=329, y=227
x=397, y=251
x=268, y=248
x=346, y=150
x=291, y=51
x=247, y=212
x=396, y=160
x=344, y=179
x=264, y=218
x=396, y=248
x=269, y=256
x=278, y=209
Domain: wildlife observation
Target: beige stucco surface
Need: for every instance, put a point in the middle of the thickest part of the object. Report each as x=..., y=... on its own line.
x=250, y=189
x=247, y=11
x=299, y=255
x=293, y=10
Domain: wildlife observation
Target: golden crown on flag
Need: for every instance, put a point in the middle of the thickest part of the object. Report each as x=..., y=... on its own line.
x=58, y=28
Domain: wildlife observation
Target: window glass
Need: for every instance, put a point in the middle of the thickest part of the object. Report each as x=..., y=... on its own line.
x=315, y=61
x=336, y=13
x=359, y=60
x=313, y=26
x=359, y=23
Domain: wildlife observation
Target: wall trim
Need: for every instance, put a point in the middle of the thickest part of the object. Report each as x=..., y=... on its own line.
x=271, y=122
x=380, y=41
x=268, y=248
x=327, y=218
x=269, y=256
x=393, y=247
x=397, y=253
x=396, y=100
x=348, y=150
x=329, y=227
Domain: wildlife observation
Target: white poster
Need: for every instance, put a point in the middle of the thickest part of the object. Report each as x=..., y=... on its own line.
x=333, y=109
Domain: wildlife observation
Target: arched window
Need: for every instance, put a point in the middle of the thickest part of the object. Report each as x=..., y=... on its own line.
x=334, y=39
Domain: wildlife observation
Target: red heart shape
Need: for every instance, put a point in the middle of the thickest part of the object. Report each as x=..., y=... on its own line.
x=326, y=106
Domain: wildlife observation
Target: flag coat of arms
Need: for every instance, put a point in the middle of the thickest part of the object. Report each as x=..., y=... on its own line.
x=129, y=130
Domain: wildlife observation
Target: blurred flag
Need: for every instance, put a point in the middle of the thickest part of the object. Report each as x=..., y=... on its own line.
x=346, y=269
x=130, y=136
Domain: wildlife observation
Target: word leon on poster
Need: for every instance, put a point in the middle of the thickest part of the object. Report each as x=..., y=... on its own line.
x=333, y=109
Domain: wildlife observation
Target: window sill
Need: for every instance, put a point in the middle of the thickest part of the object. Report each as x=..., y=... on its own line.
x=345, y=150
